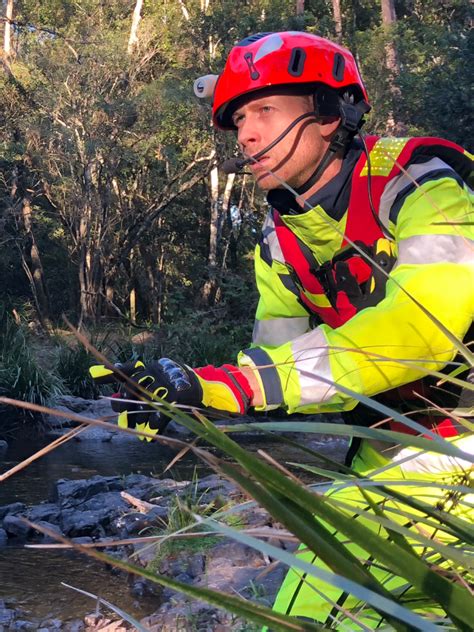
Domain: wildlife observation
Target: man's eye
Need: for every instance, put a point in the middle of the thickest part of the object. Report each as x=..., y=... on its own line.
x=237, y=118
x=266, y=108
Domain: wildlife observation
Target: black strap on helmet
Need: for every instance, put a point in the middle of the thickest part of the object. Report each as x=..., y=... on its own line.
x=352, y=119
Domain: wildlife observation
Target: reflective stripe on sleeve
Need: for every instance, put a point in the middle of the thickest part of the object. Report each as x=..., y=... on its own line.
x=277, y=331
x=418, y=172
x=422, y=249
x=311, y=356
x=269, y=379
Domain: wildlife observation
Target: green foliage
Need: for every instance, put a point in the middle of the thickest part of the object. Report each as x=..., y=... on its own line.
x=181, y=517
x=21, y=376
x=72, y=366
x=108, y=142
x=422, y=561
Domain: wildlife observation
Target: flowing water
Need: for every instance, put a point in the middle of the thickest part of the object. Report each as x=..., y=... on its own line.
x=30, y=578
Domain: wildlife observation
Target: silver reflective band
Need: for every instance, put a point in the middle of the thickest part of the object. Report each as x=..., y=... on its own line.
x=413, y=172
x=311, y=355
x=423, y=249
x=277, y=331
x=270, y=238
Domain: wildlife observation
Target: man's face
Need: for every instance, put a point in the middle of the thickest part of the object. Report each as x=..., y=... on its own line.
x=294, y=158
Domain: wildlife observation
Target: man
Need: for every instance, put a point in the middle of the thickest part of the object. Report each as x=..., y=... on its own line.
x=366, y=255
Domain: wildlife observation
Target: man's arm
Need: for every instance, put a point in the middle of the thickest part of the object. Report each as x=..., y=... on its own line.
x=395, y=342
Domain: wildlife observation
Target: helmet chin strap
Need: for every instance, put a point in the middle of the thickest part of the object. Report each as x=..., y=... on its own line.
x=351, y=122
x=233, y=165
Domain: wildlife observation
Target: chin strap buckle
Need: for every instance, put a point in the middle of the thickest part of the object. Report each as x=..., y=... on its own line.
x=351, y=121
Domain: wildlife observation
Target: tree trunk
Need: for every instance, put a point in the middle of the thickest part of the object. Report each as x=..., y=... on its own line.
x=136, y=18
x=34, y=270
x=299, y=7
x=337, y=16
x=209, y=288
x=7, y=46
x=133, y=291
x=389, y=19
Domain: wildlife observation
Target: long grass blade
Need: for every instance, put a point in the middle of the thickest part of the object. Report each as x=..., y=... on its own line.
x=121, y=613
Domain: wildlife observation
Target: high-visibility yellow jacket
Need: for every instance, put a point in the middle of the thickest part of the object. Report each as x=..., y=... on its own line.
x=420, y=190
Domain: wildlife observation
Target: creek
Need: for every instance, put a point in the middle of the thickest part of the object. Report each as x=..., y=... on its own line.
x=30, y=579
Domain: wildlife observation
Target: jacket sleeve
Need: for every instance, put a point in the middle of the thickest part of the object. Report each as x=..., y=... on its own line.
x=396, y=341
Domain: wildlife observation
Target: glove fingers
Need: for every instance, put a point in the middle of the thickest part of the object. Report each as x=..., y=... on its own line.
x=122, y=420
x=103, y=375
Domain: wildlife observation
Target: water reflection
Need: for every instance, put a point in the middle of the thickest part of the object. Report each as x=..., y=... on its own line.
x=31, y=580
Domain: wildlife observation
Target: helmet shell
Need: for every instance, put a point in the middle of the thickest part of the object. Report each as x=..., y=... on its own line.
x=289, y=58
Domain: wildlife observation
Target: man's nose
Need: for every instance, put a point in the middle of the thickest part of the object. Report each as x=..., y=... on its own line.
x=248, y=136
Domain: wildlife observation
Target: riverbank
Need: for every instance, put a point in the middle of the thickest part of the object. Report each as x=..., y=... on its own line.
x=125, y=500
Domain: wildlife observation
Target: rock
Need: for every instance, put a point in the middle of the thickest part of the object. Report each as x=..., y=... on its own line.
x=132, y=523
x=99, y=622
x=57, y=421
x=15, y=527
x=3, y=537
x=106, y=501
x=48, y=512
x=13, y=508
x=21, y=626
x=45, y=538
x=74, y=626
x=51, y=624
x=71, y=493
x=7, y=616
x=82, y=540
x=84, y=523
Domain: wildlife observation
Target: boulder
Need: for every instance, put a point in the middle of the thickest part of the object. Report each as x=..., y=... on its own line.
x=15, y=527
x=12, y=508
x=45, y=538
x=71, y=493
x=7, y=615
x=84, y=523
x=107, y=501
x=48, y=512
x=3, y=537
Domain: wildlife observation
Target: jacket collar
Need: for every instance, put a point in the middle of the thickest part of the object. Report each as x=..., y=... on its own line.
x=333, y=197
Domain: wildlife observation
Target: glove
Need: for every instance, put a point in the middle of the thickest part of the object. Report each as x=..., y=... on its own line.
x=132, y=415
x=222, y=388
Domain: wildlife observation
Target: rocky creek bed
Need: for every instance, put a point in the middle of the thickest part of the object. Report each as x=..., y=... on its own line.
x=87, y=510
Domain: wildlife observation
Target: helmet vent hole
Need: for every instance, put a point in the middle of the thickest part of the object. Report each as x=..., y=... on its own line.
x=338, y=67
x=296, y=65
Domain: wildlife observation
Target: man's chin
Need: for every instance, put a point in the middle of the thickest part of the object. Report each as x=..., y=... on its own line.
x=266, y=182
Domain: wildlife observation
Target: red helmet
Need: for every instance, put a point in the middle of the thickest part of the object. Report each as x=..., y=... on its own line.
x=289, y=59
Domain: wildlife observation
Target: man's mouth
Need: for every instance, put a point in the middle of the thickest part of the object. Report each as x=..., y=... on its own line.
x=259, y=164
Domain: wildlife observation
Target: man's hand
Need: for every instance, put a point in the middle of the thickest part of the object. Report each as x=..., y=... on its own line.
x=222, y=388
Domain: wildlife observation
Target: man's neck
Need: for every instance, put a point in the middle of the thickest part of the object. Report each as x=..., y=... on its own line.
x=328, y=174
